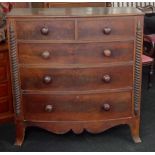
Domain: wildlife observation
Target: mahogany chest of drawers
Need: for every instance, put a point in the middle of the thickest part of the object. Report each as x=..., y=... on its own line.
x=76, y=68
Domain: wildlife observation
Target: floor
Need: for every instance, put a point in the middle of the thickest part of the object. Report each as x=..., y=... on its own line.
x=115, y=139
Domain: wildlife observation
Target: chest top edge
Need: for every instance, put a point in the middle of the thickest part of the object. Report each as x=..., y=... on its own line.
x=74, y=12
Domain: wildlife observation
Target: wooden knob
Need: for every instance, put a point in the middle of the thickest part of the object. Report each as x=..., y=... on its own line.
x=48, y=108
x=45, y=54
x=107, y=30
x=106, y=106
x=107, y=53
x=44, y=30
x=47, y=79
x=106, y=78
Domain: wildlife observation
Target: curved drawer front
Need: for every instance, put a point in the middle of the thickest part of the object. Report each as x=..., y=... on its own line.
x=115, y=27
x=45, y=30
x=76, y=79
x=77, y=107
x=75, y=53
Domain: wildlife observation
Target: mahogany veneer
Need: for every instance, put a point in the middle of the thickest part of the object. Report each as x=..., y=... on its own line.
x=76, y=68
x=63, y=79
x=90, y=107
x=74, y=53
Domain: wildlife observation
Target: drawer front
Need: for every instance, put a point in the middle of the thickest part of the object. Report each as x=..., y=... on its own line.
x=75, y=53
x=106, y=28
x=4, y=106
x=3, y=73
x=45, y=30
x=76, y=79
x=3, y=90
x=77, y=107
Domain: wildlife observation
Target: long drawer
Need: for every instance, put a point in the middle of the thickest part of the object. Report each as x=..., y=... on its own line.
x=77, y=107
x=67, y=79
x=106, y=28
x=45, y=30
x=75, y=53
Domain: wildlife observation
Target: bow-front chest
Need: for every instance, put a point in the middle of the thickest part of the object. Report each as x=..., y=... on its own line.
x=76, y=68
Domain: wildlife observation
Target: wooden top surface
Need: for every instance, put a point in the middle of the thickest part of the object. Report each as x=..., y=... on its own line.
x=74, y=12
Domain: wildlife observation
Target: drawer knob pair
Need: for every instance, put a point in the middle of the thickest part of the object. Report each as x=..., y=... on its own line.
x=106, y=106
x=107, y=53
x=106, y=78
x=47, y=79
x=44, y=30
x=45, y=54
x=107, y=30
x=48, y=108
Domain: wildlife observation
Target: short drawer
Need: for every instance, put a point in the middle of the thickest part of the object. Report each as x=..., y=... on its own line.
x=75, y=53
x=67, y=79
x=105, y=28
x=3, y=90
x=45, y=30
x=77, y=107
x=3, y=73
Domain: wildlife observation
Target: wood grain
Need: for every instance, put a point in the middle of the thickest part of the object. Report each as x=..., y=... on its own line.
x=82, y=107
x=58, y=30
x=76, y=79
x=76, y=53
x=94, y=29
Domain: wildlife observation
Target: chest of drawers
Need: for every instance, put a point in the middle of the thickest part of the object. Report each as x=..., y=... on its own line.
x=76, y=69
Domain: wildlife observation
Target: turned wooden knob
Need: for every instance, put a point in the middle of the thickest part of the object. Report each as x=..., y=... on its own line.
x=106, y=106
x=48, y=108
x=106, y=78
x=47, y=79
x=107, y=30
x=45, y=54
x=44, y=30
x=107, y=53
